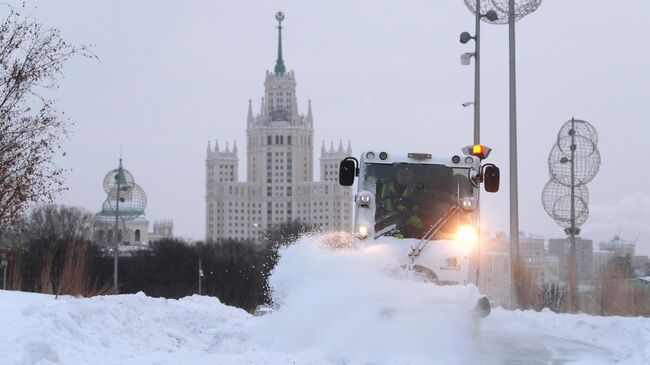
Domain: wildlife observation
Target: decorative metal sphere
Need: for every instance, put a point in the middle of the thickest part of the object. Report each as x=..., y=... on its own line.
x=584, y=147
x=133, y=202
x=556, y=199
x=110, y=179
x=586, y=168
x=279, y=16
x=522, y=8
x=582, y=129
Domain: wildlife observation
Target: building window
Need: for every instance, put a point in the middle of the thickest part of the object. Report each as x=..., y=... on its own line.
x=268, y=140
x=136, y=236
x=288, y=139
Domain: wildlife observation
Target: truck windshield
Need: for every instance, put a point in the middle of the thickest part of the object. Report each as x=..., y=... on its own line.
x=410, y=198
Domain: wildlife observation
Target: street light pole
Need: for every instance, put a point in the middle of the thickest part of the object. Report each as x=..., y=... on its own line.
x=477, y=76
x=3, y=264
x=514, y=195
x=516, y=9
x=573, y=268
x=491, y=15
x=200, y=276
x=116, y=244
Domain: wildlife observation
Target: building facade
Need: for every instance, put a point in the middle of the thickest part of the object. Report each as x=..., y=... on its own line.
x=280, y=186
x=561, y=248
x=494, y=278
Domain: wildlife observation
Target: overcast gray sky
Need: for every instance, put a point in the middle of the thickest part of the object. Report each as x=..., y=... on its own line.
x=385, y=75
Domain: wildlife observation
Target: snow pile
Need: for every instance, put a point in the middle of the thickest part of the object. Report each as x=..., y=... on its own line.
x=354, y=305
x=39, y=329
x=347, y=306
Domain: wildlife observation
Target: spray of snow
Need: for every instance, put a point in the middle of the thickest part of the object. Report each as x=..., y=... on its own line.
x=355, y=304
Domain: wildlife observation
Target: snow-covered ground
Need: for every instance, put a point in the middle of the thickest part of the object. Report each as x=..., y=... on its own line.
x=335, y=307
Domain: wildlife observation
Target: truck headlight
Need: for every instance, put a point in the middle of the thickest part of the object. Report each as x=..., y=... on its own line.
x=365, y=198
x=468, y=203
x=363, y=231
x=466, y=235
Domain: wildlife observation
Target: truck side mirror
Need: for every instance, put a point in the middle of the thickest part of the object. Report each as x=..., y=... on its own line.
x=491, y=178
x=347, y=171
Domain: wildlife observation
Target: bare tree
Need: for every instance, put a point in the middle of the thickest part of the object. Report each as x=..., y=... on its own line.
x=31, y=129
x=59, y=222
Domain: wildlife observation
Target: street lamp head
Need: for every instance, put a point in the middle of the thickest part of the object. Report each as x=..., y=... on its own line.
x=465, y=37
x=468, y=103
x=491, y=15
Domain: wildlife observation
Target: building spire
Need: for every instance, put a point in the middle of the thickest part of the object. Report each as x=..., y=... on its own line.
x=249, y=118
x=279, y=63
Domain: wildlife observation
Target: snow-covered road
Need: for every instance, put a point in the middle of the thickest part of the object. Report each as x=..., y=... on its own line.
x=335, y=308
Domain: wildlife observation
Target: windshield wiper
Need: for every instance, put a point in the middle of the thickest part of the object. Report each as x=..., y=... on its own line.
x=415, y=251
x=387, y=229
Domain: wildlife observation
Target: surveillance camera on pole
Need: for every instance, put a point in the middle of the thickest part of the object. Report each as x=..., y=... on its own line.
x=465, y=58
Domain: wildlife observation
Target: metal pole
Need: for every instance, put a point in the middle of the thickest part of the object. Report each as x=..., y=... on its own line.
x=200, y=272
x=514, y=198
x=116, y=245
x=573, y=190
x=4, y=275
x=572, y=262
x=477, y=76
x=477, y=114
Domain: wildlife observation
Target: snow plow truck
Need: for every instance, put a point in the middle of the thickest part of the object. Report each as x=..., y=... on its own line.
x=430, y=204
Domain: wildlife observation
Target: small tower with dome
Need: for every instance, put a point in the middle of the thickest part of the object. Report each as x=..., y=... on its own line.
x=125, y=205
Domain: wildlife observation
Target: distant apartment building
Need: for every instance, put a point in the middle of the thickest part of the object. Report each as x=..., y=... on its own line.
x=561, y=248
x=494, y=279
x=280, y=187
x=618, y=248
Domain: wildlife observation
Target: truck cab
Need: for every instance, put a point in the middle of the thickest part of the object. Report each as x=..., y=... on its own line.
x=426, y=205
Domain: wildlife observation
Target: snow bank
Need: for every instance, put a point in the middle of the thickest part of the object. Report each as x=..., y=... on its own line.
x=335, y=307
x=39, y=329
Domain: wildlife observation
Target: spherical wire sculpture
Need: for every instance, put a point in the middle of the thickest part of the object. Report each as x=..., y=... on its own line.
x=573, y=161
x=133, y=202
x=119, y=184
x=556, y=199
x=581, y=128
x=522, y=8
x=110, y=179
x=586, y=168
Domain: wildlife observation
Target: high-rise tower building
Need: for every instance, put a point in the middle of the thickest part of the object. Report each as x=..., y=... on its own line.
x=280, y=187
